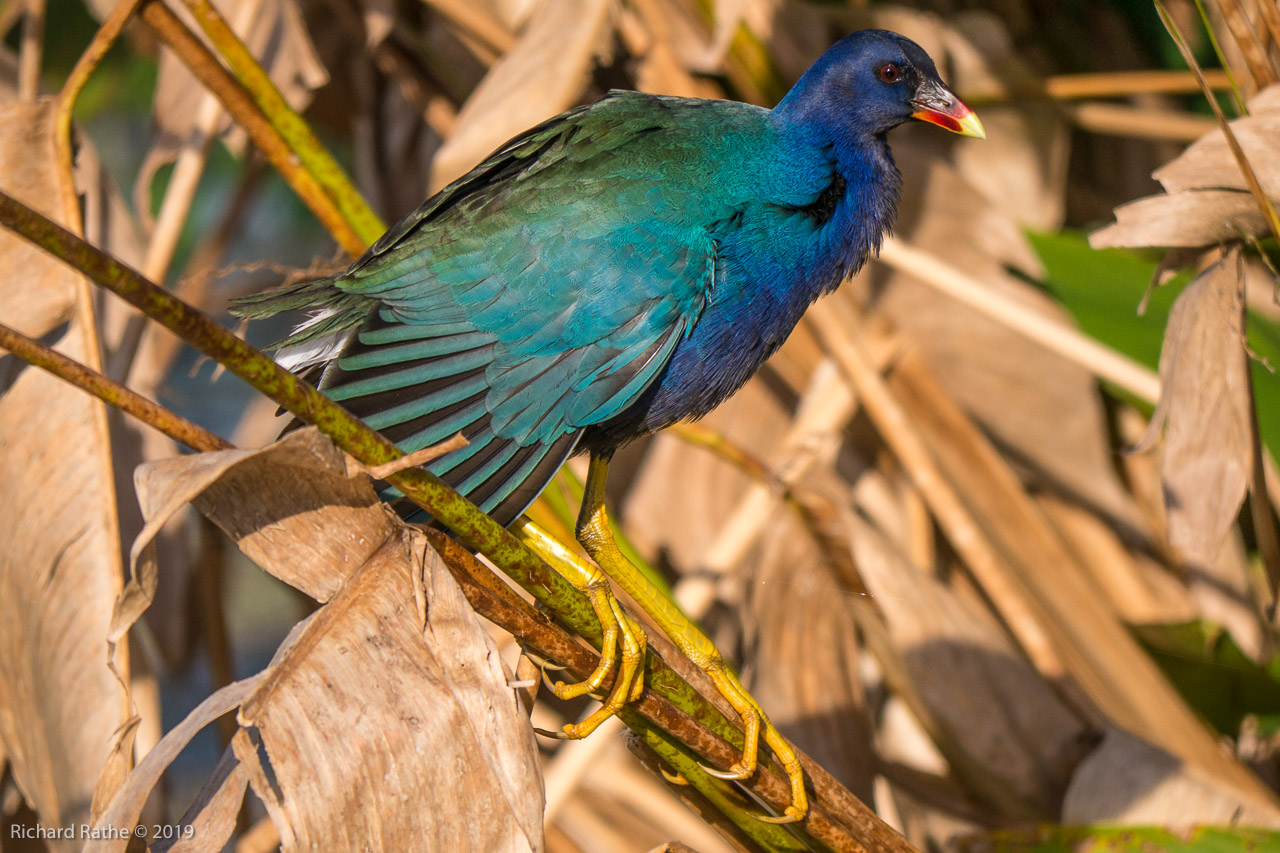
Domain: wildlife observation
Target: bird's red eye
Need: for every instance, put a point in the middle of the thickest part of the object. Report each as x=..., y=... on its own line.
x=889, y=73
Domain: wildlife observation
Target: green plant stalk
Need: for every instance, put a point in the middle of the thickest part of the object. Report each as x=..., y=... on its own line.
x=727, y=800
x=476, y=530
x=240, y=104
x=295, y=132
x=1217, y=51
x=113, y=394
x=701, y=805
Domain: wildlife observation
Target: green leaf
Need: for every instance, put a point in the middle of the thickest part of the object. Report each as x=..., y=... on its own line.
x=1102, y=289
x=1214, y=675
x=1127, y=839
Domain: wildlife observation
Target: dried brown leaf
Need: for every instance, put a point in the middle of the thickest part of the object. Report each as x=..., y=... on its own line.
x=1209, y=163
x=1128, y=781
x=37, y=294
x=804, y=650
x=60, y=705
x=384, y=728
x=386, y=718
x=543, y=75
x=212, y=817
x=1182, y=220
x=1207, y=199
x=122, y=812
x=1205, y=410
x=310, y=535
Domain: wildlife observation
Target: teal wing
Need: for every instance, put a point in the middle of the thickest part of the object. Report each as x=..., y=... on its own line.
x=540, y=294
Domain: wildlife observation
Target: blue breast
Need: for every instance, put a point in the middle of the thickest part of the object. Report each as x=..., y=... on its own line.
x=772, y=263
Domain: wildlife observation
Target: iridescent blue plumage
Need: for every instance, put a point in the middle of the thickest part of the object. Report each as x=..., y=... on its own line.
x=617, y=269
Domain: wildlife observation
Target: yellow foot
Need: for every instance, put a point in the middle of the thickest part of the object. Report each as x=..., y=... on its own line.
x=623, y=640
x=619, y=630
x=754, y=723
x=596, y=537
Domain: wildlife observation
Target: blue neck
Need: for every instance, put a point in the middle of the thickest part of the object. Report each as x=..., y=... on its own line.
x=857, y=172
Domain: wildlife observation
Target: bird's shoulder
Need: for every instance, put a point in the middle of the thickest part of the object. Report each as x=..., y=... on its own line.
x=630, y=156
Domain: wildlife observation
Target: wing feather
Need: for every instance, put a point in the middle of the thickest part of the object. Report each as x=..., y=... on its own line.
x=541, y=294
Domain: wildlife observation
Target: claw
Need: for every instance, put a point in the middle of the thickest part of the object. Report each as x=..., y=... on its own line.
x=551, y=734
x=546, y=679
x=601, y=601
x=676, y=778
x=623, y=641
x=736, y=773
x=629, y=682
x=792, y=815
x=538, y=660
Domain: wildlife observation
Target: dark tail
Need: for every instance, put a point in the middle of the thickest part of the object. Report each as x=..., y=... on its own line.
x=332, y=309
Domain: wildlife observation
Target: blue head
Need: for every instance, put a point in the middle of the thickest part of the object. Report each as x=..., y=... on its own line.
x=869, y=83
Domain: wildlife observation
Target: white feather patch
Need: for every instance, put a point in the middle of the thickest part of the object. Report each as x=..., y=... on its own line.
x=301, y=356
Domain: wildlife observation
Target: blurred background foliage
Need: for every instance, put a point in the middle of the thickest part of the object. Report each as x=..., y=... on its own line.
x=1021, y=638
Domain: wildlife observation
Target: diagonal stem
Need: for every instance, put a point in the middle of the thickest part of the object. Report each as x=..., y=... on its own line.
x=112, y=393
x=206, y=67
x=295, y=132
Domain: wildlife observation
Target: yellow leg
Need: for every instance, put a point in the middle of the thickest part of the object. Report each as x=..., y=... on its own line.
x=596, y=537
x=618, y=630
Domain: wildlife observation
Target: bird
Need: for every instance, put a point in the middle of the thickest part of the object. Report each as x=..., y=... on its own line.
x=619, y=268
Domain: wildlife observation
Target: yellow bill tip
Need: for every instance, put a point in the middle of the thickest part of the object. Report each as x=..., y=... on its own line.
x=963, y=121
